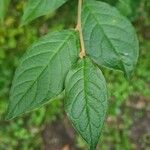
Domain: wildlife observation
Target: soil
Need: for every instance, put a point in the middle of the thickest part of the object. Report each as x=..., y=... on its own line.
x=59, y=135
x=140, y=130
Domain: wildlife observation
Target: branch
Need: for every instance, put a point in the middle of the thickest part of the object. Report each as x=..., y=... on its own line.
x=79, y=29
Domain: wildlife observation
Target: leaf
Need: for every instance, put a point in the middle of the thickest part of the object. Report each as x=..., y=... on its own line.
x=109, y=37
x=125, y=7
x=37, y=8
x=42, y=70
x=111, y=2
x=129, y=8
x=3, y=8
x=86, y=100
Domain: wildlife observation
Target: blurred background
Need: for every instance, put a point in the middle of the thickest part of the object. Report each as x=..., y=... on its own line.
x=127, y=125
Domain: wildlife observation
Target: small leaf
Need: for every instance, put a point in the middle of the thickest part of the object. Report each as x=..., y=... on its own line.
x=109, y=37
x=37, y=8
x=42, y=70
x=86, y=100
x=3, y=8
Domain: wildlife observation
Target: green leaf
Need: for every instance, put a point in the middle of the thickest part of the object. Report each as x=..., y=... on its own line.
x=129, y=8
x=42, y=70
x=125, y=7
x=86, y=100
x=109, y=37
x=3, y=8
x=37, y=8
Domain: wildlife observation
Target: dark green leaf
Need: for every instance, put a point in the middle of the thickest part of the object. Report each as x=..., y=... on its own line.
x=41, y=73
x=86, y=100
x=109, y=37
x=37, y=8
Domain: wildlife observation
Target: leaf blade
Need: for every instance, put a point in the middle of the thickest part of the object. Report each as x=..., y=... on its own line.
x=37, y=8
x=41, y=73
x=86, y=100
x=109, y=37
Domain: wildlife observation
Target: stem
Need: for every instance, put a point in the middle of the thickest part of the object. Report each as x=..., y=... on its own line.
x=79, y=29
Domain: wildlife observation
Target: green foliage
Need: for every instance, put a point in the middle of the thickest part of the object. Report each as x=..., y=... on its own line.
x=39, y=8
x=3, y=8
x=125, y=7
x=14, y=41
x=42, y=70
x=41, y=73
x=129, y=8
x=111, y=2
x=109, y=37
x=86, y=100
